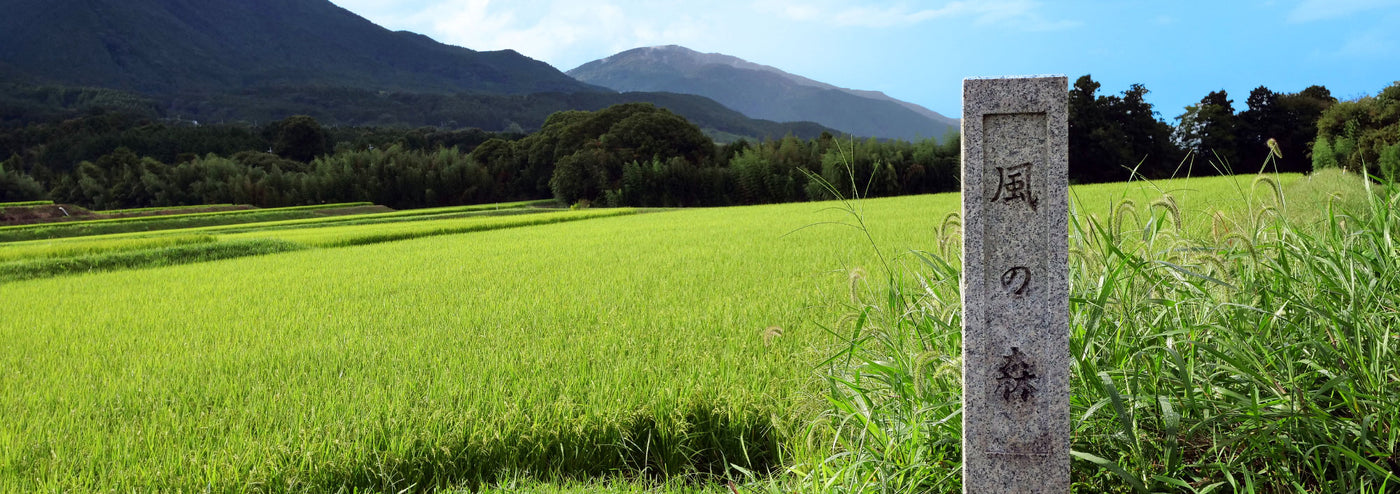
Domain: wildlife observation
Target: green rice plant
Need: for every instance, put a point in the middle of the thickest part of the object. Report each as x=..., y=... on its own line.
x=36, y=259
x=25, y=204
x=204, y=214
x=164, y=222
x=15, y=251
x=359, y=234
x=520, y=207
x=167, y=255
x=115, y=212
x=627, y=347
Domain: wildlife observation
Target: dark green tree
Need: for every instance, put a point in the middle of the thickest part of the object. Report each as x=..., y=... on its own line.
x=1209, y=129
x=1111, y=136
x=1362, y=131
x=299, y=138
x=16, y=186
x=1289, y=119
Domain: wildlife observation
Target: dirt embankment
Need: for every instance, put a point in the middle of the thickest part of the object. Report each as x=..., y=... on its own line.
x=24, y=215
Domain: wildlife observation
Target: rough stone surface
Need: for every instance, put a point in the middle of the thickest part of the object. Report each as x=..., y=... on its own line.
x=1016, y=419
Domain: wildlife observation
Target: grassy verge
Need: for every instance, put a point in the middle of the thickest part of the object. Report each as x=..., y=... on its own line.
x=25, y=203
x=1256, y=358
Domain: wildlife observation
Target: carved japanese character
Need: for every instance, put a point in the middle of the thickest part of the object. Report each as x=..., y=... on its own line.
x=1015, y=375
x=1014, y=184
x=1011, y=276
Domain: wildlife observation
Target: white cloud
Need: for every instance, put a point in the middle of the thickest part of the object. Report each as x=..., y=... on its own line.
x=1021, y=14
x=564, y=33
x=1369, y=45
x=1318, y=10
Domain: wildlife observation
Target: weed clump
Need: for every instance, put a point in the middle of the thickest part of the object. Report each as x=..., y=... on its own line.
x=1260, y=356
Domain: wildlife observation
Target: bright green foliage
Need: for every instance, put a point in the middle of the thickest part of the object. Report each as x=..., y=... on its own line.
x=1390, y=161
x=1362, y=130
x=1322, y=155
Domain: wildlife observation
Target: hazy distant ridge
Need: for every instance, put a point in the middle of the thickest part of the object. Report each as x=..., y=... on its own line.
x=761, y=91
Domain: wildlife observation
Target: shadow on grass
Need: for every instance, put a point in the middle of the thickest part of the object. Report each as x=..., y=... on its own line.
x=699, y=444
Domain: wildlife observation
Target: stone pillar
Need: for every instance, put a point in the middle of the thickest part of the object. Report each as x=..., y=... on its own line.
x=1015, y=183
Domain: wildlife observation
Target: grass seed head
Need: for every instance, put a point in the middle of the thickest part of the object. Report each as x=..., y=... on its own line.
x=771, y=333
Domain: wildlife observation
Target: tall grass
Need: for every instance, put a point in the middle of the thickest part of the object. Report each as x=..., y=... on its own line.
x=1261, y=357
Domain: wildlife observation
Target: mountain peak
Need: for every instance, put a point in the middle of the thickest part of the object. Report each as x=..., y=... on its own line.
x=163, y=46
x=762, y=91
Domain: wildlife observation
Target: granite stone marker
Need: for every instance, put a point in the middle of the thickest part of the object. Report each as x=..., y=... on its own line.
x=1015, y=185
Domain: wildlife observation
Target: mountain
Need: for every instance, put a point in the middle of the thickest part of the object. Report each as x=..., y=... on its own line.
x=170, y=46
x=262, y=60
x=761, y=91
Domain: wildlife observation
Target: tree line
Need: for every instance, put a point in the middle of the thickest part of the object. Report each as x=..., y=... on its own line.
x=637, y=154
x=633, y=154
x=1113, y=137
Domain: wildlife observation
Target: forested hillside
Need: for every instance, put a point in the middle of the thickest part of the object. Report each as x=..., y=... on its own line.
x=189, y=47
x=259, y=61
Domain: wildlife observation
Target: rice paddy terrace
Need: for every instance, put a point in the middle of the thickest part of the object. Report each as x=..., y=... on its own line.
x=234, y=349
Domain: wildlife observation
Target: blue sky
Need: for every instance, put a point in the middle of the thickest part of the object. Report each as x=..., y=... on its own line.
x=921, y=51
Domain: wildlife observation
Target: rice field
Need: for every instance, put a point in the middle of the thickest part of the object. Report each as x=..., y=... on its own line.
x=24, y=203
x=476, y=352
x=39, y=231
